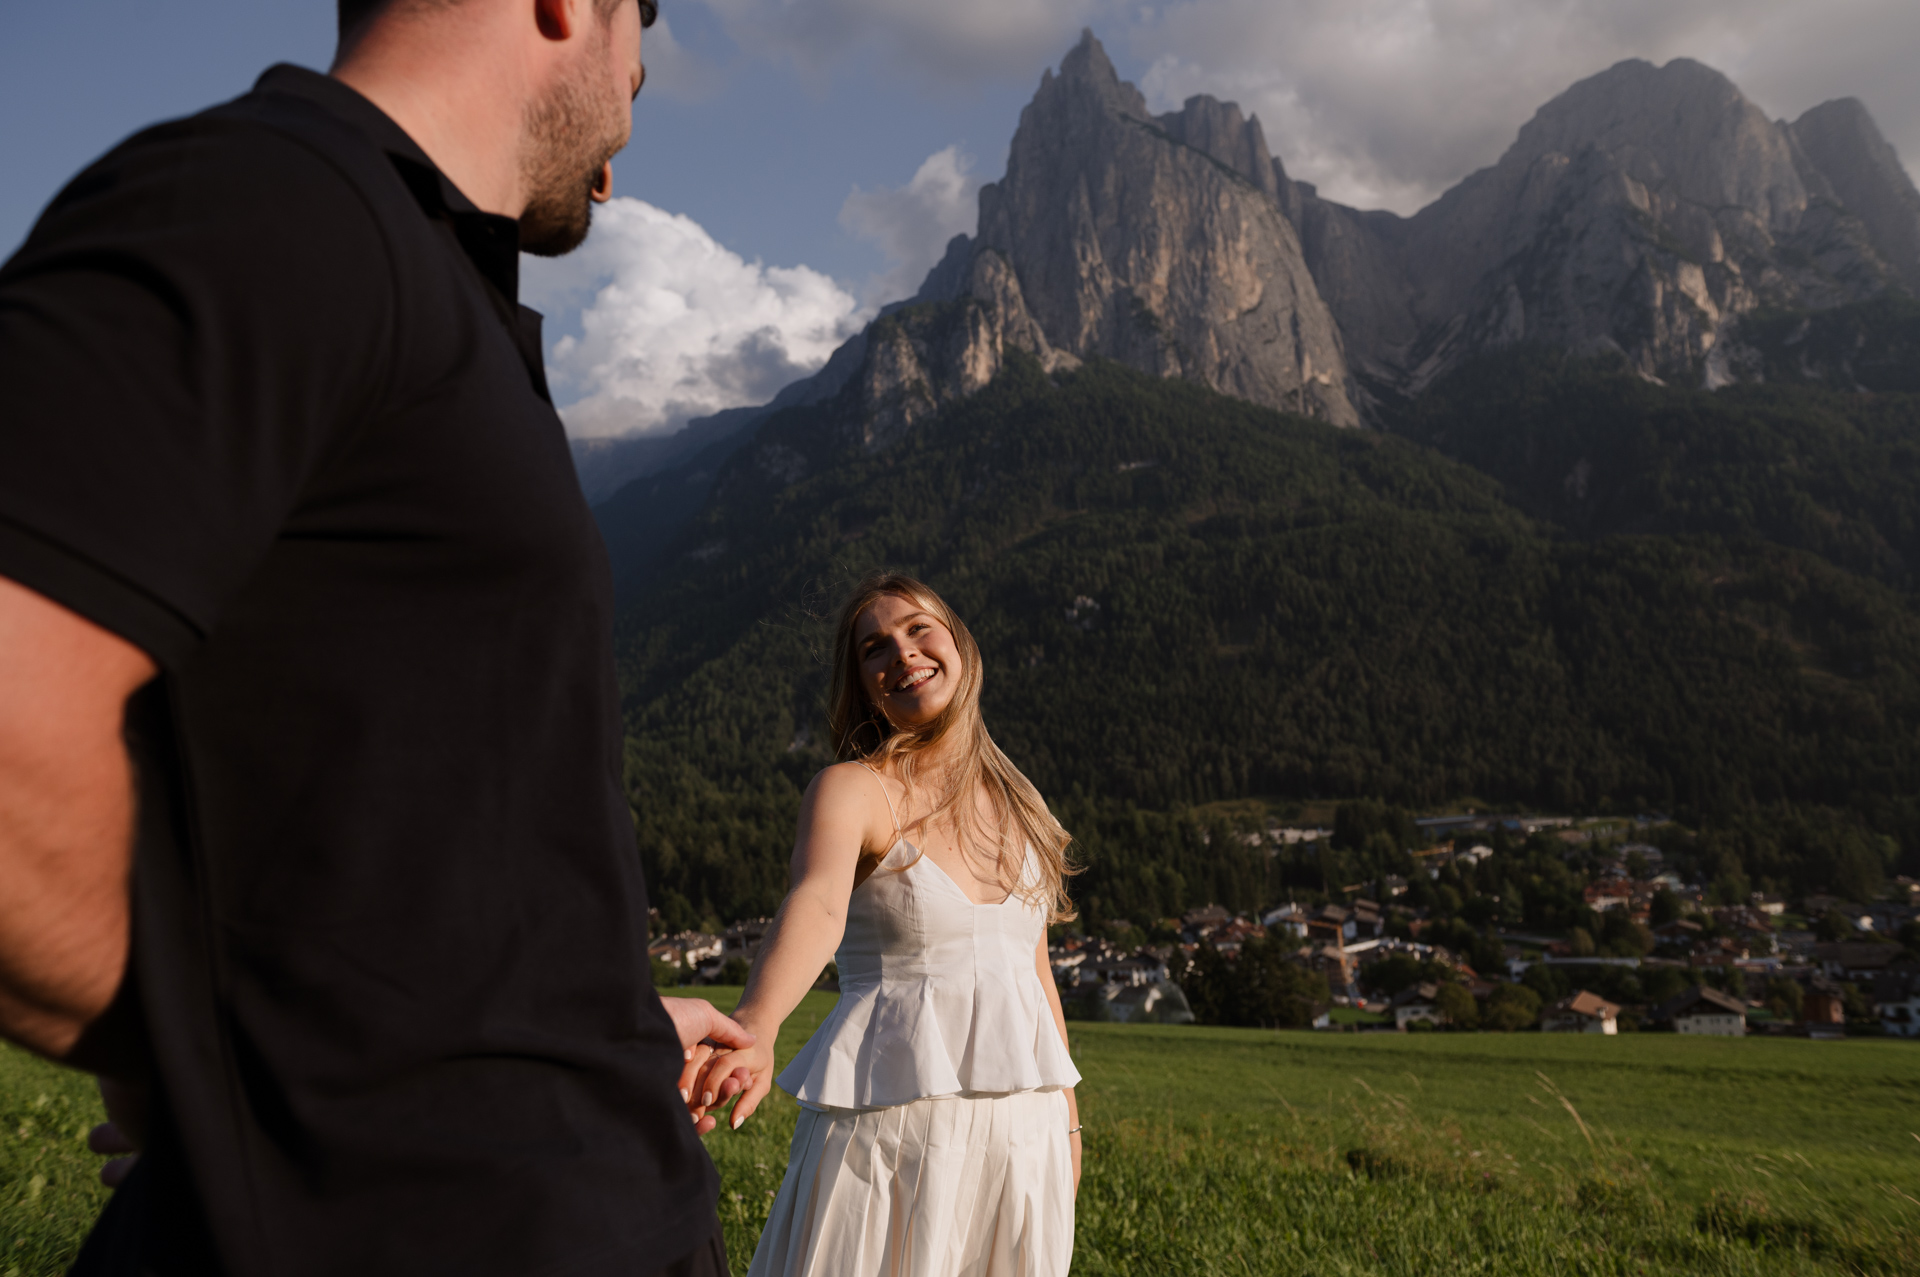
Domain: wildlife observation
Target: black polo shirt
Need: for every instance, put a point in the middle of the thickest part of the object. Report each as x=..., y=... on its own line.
x=269, y=410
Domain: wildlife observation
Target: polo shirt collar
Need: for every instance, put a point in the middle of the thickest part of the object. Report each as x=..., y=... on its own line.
x=491, y=240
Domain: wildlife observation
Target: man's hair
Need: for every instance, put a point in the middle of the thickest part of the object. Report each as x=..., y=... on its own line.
x=354, y=12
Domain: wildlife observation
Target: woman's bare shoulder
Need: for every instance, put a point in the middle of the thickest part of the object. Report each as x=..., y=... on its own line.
x=842, y=774
x=850, y=782
x=849, y=796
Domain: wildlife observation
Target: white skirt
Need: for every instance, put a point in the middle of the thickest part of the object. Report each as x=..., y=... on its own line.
x=958, y=1186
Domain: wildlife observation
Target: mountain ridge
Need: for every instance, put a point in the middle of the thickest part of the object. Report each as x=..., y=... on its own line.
x=1646, y=210
x=1643, y=210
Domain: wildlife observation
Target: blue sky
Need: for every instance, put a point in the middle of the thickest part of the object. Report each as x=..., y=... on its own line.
x=761, y=150
x=796, y=162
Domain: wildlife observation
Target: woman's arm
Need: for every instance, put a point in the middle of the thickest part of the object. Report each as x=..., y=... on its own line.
x=1045, y=969
x=837, y=824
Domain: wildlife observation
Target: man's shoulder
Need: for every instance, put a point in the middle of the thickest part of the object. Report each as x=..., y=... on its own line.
x=268, y=122
x=262, y=159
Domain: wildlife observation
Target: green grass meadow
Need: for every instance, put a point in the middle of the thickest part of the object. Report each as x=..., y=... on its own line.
x=1236, y=1151
x=49, y=1183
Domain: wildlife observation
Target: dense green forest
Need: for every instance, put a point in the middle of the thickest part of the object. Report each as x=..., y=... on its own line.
x=1185, y=600
x=1598, y=452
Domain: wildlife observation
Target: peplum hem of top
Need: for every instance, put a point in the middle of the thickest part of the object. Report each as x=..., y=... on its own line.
x=898, y=1039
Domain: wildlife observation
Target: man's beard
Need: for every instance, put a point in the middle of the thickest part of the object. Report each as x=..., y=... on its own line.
x=570, y=136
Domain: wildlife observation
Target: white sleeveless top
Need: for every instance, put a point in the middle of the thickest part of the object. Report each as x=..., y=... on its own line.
x=938, y=996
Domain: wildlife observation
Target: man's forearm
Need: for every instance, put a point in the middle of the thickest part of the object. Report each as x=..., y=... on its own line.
x=63, y=916
x=66, y=819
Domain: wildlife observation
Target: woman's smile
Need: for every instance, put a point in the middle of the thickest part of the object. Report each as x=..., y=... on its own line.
x=906, y=657
x=914, y=678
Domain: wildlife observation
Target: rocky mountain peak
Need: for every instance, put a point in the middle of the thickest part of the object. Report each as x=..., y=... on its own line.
x=1684, y=128
x=1087, y=79
x=1642, y=211
x=1160, y=243
x=1841, y=140
x=1645, y=211
x=1216, y=129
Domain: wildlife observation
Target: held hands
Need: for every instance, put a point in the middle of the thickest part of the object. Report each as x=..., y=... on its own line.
x=706, y=1036
x=747, y=1073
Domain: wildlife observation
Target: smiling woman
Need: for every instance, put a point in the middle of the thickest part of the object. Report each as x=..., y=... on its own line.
x=906, y=701
x=938, y=1131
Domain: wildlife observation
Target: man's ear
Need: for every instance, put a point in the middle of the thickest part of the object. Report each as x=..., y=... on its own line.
x=557, y=19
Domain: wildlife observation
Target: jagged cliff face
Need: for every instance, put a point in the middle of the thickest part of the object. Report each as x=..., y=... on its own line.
x=923, y=358
x=1841, y=140
x=1644, y=211
x=1161, y=243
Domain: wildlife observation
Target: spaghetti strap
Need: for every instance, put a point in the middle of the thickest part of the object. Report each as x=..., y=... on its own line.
x=884, y=794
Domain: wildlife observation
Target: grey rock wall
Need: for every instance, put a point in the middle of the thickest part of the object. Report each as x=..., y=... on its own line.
x=1643, y=210
x=922, y=357
x=1161, y=243
x=1842, y=142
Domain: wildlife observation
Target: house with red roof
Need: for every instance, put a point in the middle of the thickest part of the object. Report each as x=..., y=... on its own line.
x=1582, y=1013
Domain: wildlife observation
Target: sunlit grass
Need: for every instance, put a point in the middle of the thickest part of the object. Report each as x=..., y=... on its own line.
x=1237, y=1151
x=1829, y=1123
x=49, y=1183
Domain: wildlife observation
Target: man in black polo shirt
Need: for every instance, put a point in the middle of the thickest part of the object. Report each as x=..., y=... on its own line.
x=312, y=828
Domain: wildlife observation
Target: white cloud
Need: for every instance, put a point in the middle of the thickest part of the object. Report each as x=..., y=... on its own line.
x=1385, y=103
x=911, y=224
x=672, y=325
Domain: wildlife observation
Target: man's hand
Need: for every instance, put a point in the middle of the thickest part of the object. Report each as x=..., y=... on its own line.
x=66, y=818
x=120, y=1136
x=704, y=1034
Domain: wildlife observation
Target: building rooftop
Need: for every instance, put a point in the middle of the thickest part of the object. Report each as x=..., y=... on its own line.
x=1700, y=996
x=1587, y=1004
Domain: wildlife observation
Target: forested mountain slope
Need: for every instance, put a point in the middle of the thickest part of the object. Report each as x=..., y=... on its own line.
x=1599, y=452
x=1185, y=598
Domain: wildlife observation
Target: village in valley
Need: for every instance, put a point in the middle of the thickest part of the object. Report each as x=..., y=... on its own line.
x=1438, y=948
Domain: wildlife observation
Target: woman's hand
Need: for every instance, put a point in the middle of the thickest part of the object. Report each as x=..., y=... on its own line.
x=704, y=1034
x=1043, y=971
x=746, y=1073
x=1073, y=1137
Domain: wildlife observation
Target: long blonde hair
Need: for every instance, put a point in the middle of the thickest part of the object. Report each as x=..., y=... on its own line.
x=861, y=732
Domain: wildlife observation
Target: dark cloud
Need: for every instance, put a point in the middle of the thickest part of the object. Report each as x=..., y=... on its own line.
x=1387, y=103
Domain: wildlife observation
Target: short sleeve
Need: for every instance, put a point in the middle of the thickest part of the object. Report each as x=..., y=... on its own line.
x=192, y=326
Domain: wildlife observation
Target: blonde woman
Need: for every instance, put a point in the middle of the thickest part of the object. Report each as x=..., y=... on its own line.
x=939, y=1132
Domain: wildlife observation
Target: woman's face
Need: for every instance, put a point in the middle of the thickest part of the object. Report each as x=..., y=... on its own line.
x=909, y=663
